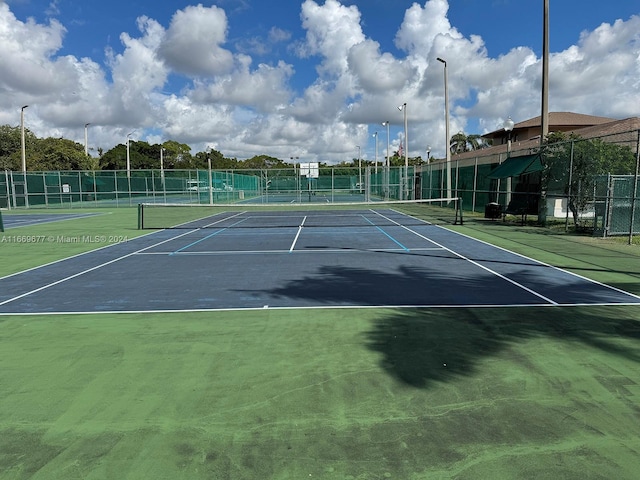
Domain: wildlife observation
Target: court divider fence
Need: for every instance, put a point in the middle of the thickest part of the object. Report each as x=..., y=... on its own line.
x=81, y=189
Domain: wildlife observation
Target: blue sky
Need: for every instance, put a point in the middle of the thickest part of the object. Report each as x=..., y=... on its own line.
x=311, y=79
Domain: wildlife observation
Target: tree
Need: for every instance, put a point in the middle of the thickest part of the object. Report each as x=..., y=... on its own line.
x=11, y=147
x=114, y=159
x=143, y=155
x=461, y=142
x=458, y=143
x=263, y=161
x=201, y=160
x=57, y=154
x=175, y=154
x=572, y=165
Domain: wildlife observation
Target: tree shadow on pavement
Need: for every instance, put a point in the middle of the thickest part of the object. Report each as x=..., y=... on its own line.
x=420, y=346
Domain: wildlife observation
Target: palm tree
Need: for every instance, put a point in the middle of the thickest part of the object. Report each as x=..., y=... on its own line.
x=461, y=142
x=458, y=143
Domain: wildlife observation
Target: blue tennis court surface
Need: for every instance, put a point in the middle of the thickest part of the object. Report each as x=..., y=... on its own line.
x=239, y=260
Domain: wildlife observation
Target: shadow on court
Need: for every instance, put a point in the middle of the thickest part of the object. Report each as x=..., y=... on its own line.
x=423, y=346
x=420, y=347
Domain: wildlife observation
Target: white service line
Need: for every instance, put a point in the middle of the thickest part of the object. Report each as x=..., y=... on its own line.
x=487, y=269
x=295, y=240
x=31, y=292
x=590, y=280
x=225, y=218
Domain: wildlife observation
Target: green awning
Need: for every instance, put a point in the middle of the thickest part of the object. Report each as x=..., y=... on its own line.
x=515, y=166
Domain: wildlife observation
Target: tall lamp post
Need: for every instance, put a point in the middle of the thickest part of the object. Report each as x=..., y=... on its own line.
x=386, y=169
x=210, y=172
x=405, y=193
x=162, y=149
x=508, y=127
x=86, y=139
x=128, y=155
x=359, y=169
x=294, y=160
x=544, y=115
x=22, y=145
x=446, y=126
x=375, y=135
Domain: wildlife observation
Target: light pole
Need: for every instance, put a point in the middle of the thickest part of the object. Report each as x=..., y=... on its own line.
x=386, y=169
x=128, y=155
x=86, y=139
x=22, y=145
x=446, y=126
x=210, y=172
x=508, y=127
x=428, y=153
x=405, y=194
x=544, y=115
x=375, y=135
x=162, y=166
x=359, y=170
x=294, y=160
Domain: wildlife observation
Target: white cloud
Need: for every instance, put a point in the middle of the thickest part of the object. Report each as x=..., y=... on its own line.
x=246, y=108
x=193, y=42
x=264, y=89
x=27, y=55
x=602, y=71
x=332, y=29
x=375, y=72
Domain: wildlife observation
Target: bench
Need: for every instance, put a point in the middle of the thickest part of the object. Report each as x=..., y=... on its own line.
x=518, y=206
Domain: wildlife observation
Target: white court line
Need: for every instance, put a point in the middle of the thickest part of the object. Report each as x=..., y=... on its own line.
x=73, y=256
x=345, y=250
x=322, y=307
x=590, y=280
x=225, y=218
x=44, y=287
x=295, y=240
x=473, y=262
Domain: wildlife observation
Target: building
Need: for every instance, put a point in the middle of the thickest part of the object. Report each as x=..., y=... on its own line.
x=521, y=145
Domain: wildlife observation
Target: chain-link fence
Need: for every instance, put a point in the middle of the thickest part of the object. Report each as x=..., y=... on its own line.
x=590, y=183
x=126, y=188
x=617, y=208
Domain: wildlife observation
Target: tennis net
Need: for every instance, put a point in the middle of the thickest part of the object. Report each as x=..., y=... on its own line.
x=245, y=215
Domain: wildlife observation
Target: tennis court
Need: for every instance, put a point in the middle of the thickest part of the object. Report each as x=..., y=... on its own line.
x=245, y=343
x=255, y=259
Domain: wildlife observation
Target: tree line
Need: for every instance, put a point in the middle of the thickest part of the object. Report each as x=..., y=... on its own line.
x=46, y=154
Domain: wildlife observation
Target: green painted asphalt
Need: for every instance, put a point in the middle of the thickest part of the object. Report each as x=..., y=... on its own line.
x=490, y=393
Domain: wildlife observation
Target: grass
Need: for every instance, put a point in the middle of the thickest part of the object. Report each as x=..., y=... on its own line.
x=333, y=394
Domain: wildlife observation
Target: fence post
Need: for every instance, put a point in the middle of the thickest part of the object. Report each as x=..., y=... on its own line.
x=569, y=190
x=634, y=193
x=8, y=189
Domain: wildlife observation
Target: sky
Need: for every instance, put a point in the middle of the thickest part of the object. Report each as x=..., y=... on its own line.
x=311, y=80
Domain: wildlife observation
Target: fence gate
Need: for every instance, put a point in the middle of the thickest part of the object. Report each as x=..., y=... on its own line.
x=5, y=190
x=619, y=206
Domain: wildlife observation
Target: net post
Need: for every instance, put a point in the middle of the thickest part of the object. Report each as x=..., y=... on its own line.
x=459, y=210
x=1, y=224
x=140, y=216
